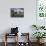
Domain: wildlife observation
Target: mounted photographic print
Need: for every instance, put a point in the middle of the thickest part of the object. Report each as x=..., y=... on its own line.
x=17, y=12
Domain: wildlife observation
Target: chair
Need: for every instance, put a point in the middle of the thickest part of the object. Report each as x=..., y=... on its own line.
x=25, y=43
x=7, y=35
x=14, y=32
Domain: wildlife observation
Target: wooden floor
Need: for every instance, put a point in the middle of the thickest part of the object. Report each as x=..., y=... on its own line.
x=13, y=44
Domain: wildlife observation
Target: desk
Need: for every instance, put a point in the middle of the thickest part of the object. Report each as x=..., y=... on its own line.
x=8, y=34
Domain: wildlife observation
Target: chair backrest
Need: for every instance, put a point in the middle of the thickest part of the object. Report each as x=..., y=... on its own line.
x=14, y=30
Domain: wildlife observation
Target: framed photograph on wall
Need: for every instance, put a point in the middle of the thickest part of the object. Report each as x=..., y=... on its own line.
x=17, y=12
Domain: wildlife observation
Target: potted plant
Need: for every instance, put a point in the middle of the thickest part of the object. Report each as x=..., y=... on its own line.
x=39, y=35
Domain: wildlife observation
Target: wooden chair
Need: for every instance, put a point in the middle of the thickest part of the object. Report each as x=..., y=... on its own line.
x=8, y=34
x=27, y=37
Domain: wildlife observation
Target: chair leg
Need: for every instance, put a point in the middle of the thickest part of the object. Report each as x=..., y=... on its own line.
x=5, y=40
x=5, y=43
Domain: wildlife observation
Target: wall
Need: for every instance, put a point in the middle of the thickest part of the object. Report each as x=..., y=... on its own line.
x=24, y=24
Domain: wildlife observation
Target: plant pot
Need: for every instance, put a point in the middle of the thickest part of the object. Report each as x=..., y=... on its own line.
x=40, y=41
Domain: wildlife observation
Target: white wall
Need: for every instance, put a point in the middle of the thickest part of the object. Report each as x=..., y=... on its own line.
x=24, y=24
